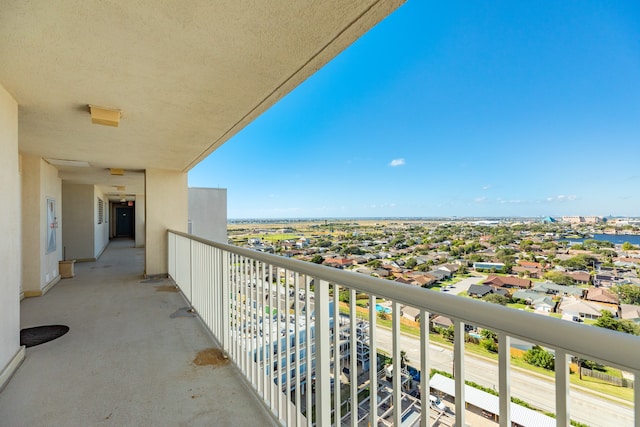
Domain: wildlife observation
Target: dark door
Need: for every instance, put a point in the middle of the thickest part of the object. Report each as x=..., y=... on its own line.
x=124, y=222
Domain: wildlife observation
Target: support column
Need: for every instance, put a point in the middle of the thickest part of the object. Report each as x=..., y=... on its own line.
x=11, y=354
x=166, y=207
x=140, y=221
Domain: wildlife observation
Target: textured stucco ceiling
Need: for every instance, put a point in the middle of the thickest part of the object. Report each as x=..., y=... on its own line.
x=187, y=75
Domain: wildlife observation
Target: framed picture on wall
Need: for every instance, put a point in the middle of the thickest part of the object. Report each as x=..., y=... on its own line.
x=52, y=225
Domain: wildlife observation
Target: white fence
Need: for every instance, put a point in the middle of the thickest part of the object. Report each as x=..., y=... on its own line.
x=279, y=320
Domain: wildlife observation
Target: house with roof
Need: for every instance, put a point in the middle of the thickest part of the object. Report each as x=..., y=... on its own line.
x=479, y=291
x=410, y=313
x=382, y=272
x=441, y=322
x=423, y=280
x=540, y=301
x=450, y=268
x=530, y=265
x=340, y=263
x=438, y=274
x=556, y=289
x=508, y=282
x=606, y=280
x=544, y=304
x=602, y=295
x=571, y=306
x=404, y=281
x=630, y=312
x=580, y=277
x=527, y=295
x=527, y=272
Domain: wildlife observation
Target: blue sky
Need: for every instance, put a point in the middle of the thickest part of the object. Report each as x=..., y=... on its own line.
x=462, y=108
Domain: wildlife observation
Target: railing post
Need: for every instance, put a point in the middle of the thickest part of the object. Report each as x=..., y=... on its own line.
x=323, y=353
x=636, y=398
x=504, y=379
x=458, y=362
x=563, y=416
x=225, y=321
x=425, y=370
x=397, y=366
x=373, y=363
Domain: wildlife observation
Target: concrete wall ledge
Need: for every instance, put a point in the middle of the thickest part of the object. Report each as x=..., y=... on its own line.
x=12, y=367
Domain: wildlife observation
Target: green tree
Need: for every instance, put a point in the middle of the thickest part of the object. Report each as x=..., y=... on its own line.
x=580, y=262
x=537, y=356
x=628, y=293
x=496, y=299
x=317, y=259
x=411, y=262
x=607, y=321
x=489, y=345
x=627, y=246
x=374, y=263
x=449, y=333
x=559, y=278
x=352, y=250
x=487, y=333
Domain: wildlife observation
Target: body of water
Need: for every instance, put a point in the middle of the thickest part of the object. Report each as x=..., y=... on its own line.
x=616, y=239
x=382, y=309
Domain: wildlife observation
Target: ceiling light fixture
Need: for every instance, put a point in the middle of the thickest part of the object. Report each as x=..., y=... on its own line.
x=105, y=116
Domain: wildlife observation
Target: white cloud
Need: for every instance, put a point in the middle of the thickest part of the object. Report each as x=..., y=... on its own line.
x=486, y=187
x=396, y=162
x=480, y=199
x=561, y=198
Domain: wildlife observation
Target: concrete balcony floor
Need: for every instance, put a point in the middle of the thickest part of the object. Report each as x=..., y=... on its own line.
x=125, y=360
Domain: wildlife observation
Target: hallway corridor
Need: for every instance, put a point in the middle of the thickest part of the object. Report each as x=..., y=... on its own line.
x=128, y=358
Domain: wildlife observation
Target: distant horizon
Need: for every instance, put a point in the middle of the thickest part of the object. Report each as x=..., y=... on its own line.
x=432, y=218
x=501, y=109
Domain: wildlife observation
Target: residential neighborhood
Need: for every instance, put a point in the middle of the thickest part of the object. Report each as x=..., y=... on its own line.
x=549, y=266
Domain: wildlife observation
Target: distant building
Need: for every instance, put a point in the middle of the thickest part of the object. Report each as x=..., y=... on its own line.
x=488, y=265
x=208, y=213
x=582, y=219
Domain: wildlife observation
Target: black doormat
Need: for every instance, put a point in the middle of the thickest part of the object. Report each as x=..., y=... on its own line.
x=30, y=337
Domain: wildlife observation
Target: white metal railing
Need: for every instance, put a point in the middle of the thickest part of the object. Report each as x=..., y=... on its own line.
x=281, y=322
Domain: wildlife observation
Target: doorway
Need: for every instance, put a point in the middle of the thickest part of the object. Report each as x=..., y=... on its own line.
x=125, y=224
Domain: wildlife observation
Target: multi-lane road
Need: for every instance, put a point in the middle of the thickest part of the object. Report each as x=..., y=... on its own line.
x=537, y=390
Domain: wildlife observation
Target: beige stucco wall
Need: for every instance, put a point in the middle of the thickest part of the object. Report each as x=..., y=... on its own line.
x=30, y=223
x=51, y=187
x=140, y=221
x=100, y=231
x=10, y=230
x=83, y=238
x=208, y=213
x=166, y=208
x=77, y=229
x=40, y=182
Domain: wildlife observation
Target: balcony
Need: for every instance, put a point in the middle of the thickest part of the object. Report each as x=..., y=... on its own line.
x=128, y=358
x=280, y=321
x=131, y=355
